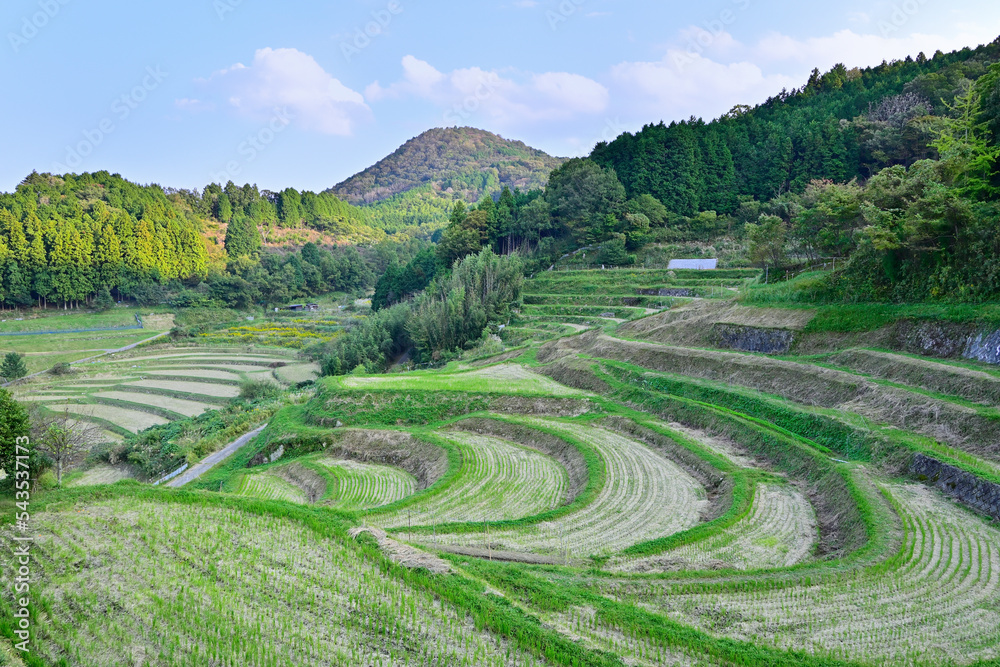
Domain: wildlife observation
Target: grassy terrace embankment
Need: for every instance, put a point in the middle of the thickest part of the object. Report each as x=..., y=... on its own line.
x=651, y=503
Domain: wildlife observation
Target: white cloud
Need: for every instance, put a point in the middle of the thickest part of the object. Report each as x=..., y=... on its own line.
x=684, y=84
x=193, y=105
x=571, y=92
x=863, y=50
x=708, y=73
x=509, y=100
x=290, y=80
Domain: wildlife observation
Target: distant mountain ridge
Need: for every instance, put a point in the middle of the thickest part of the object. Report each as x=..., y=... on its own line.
x=463, y=162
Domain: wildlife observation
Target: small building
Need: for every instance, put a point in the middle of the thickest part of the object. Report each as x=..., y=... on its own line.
x=695, y=264
x=296, y=307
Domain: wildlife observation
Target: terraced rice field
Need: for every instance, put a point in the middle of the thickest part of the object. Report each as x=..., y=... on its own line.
x=779, y=532
x=195, y=388
x=132, y=391
x=269, y=486
x=298, y=373
x=786, y=528
x=498, y=481
x=102, y=474
x=43, y=351
x=581, y=623
x=344, y=484
x=645, y=496
x=504, y=378
x=159, y=588
x=123, y=418
x=176, y=405
x=978, y=385
x=362, y=486
x=940, y=604
x=196, y=373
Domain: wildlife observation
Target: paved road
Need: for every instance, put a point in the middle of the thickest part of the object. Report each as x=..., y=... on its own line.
x=210, y=461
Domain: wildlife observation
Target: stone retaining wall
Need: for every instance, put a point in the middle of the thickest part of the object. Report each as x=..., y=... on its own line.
x=753, y=339
x=965, y=487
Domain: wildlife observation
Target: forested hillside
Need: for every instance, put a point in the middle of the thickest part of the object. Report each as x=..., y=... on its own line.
x=247, y=206
x=841, y=125
x=892, y=168
x=459, y=163
x=64, y=239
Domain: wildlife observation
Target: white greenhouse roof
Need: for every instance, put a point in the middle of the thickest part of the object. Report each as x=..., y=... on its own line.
x=700, y=264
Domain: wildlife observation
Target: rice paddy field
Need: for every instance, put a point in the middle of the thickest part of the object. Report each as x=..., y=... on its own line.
x=594, y=495
x=130, y=391
x=505, y=378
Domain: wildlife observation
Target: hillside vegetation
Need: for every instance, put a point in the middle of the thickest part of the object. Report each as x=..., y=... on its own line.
x=536, y=444
x=464, y=163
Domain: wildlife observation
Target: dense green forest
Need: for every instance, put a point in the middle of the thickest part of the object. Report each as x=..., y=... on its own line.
x=457, y=308
x=893, y=167
x=63, y=240
x=841, y=125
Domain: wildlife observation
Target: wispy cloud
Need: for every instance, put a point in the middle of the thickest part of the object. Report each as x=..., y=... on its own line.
x=507, y=98
x=286, y=79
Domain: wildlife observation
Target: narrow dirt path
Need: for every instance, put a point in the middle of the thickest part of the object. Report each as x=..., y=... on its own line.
x=211, y=460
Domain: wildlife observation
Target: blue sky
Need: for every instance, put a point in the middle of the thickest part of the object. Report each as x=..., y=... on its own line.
x=304, y=94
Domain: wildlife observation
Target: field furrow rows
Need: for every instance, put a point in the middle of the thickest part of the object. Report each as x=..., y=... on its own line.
x=942, y=603
x=366, y=485
x=645, y=496
x=178, y=405
x=503, y=379
x=130, y=420
x=581, y=624
x=780, y=531
x=194, y=373
x=498, y=480
x=268, y=486
x=196, y=388
x=163, y=588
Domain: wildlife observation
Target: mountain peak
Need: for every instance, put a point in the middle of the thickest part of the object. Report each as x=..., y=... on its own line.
x=463, y=161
